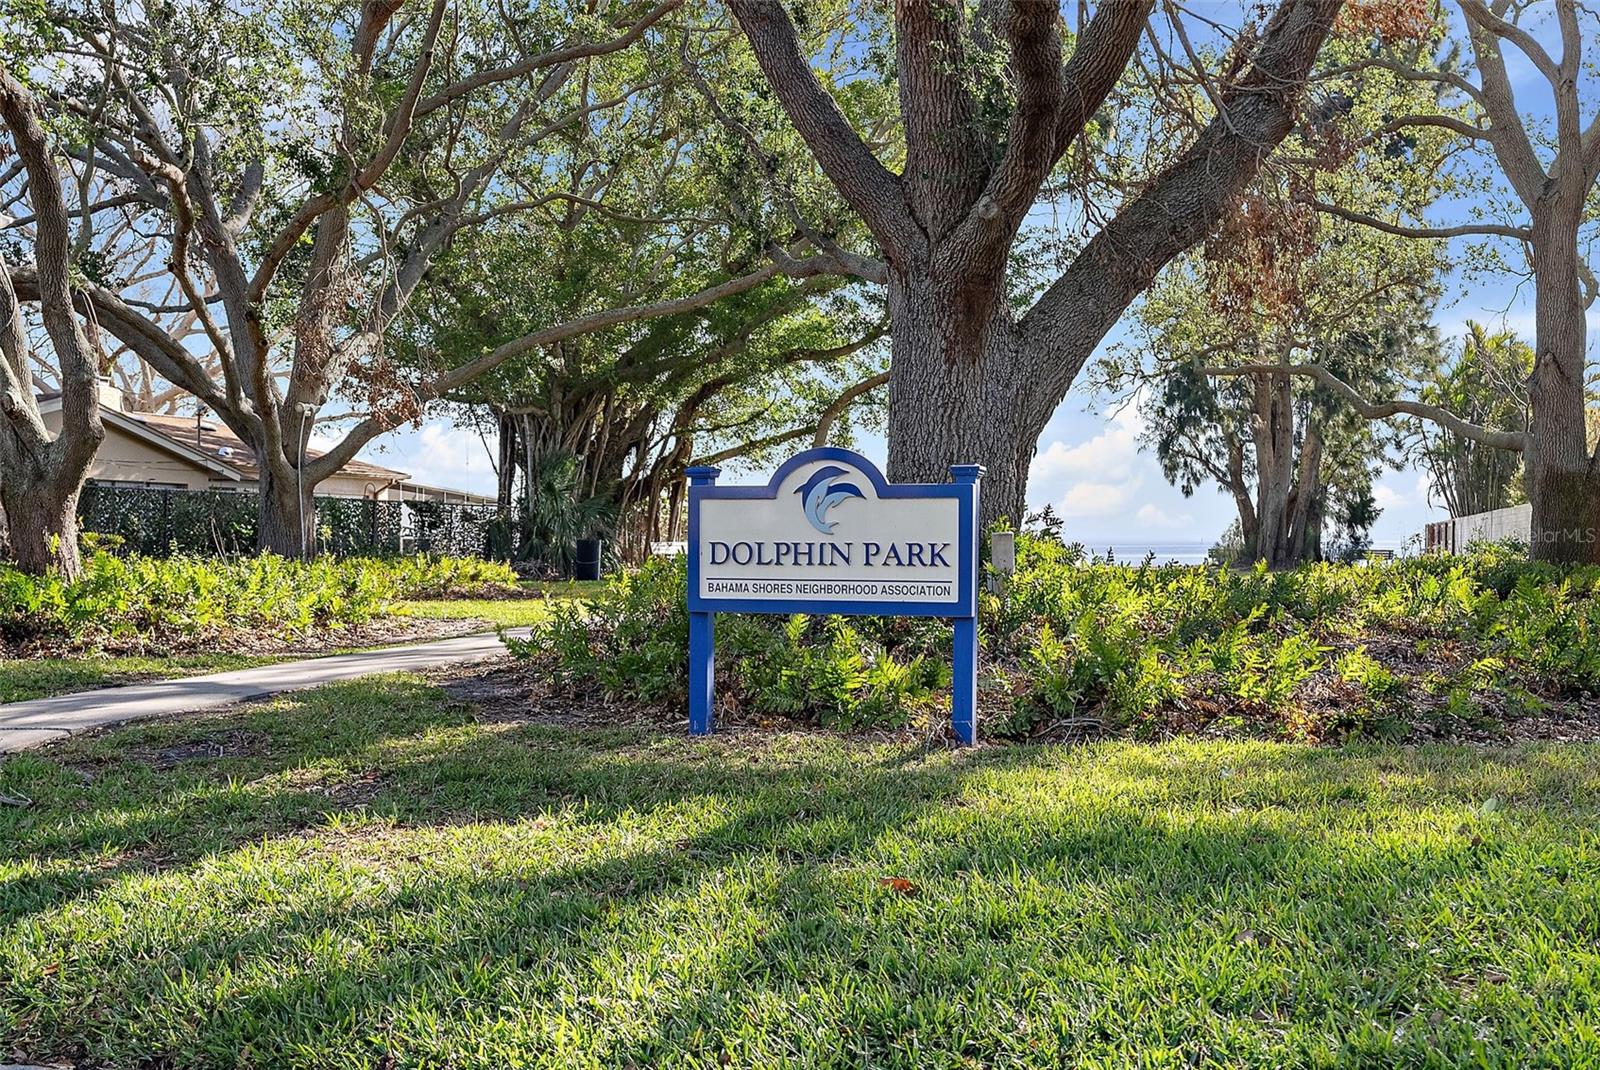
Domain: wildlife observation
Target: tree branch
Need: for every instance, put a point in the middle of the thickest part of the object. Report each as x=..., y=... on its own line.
x=865, y=267
x=1179, y=207
x=81, y=430
x=1462, y=231
x=554, y=58
x=1443, y=122
x=947, y=149
x=766, y=442
x=1480, y=15
x=398, y=126
x=1410, y=74
x=1098, y=60
x=1052, y=104
x=374, y=17
x=363, y=432
x=1511, y=145
x=832, y=413
x=1505, y=440
x=870, y=188
x=152, y=343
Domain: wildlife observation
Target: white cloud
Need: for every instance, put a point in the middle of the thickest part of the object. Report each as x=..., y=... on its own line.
x=1086, y=499
x=1109, y=455
x=438, y=454
x=1387, y=497
x=323, y=441
x=1152, y=515
x=1100, y=477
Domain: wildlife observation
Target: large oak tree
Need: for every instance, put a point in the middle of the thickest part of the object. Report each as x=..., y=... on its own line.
x=306, y=164
x=989, y=106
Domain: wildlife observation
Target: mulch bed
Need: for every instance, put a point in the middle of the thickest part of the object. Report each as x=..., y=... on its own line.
x=511, y=691
x=507, y=690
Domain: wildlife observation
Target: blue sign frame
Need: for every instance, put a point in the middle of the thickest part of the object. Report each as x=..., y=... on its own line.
x=963, y=611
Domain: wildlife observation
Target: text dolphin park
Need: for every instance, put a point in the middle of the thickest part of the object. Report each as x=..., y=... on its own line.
x=831, y=554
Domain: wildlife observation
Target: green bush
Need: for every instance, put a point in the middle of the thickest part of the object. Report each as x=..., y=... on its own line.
x=145, y=599
x=632, y=643
x=1130, y=647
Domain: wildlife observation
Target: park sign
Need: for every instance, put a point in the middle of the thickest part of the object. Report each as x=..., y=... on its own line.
x=829, y=535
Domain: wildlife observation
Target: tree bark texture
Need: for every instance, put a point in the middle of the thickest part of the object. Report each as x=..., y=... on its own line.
x=1562, y=475
x=42, y=522
x=957, y=398
x=288, y=525
x=1287, y=512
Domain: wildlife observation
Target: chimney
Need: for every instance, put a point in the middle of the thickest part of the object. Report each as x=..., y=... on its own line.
x=110, y=394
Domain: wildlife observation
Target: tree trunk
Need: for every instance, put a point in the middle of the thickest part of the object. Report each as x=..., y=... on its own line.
x=288, y=517
x=970, y=385
x=506, y=470
x=43, y=524
x=41, y=474
x=1288, y=513
x=1305, y=524
x=1249, y=525
x=955, y=398
x=1562, y=482
x=1273, y=431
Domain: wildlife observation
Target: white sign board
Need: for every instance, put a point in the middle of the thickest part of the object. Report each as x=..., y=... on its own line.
x=828, y=534
x=827, y=530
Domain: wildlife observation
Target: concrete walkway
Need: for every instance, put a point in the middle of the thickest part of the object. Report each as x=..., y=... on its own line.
x=28, y=724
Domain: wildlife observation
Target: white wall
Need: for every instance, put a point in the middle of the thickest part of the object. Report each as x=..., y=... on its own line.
x=1513, y=523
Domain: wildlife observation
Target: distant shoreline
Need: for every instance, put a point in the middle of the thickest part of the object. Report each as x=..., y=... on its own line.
x=1184, y=553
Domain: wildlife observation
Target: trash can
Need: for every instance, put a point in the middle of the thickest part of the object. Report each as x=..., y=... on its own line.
x=588, y=563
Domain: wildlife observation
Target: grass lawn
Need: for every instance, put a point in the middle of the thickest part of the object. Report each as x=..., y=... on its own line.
x=567, y=588
x=506, y=612
x=365, y=876
x=27, y=678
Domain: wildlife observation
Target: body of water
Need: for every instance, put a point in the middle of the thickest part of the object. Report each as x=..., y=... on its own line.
x=1132, y=553
x=1182, y=553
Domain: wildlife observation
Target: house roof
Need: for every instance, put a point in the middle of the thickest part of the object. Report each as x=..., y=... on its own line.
x=217, y=441
x=210, y=445
x=445, y=493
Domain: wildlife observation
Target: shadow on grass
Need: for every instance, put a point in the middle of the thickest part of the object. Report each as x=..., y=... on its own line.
x=151, y=797
x=375, y=874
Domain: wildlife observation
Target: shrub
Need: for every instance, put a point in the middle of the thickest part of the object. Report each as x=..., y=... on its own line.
x=1129, y=647
x=632, y=642
x=144, y=599
x=429, y=576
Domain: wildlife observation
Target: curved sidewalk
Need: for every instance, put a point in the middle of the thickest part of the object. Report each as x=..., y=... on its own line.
x=28, y=724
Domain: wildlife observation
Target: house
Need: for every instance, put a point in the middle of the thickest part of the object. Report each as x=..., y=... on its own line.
x=166, y=452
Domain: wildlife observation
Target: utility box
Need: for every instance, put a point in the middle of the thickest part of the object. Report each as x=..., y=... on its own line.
x=1002, y=559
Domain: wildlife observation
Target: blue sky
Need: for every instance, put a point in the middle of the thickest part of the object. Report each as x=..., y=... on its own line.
x=1089, y=464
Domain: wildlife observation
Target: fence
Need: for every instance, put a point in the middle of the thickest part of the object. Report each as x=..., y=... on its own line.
x=1454, y=536
x=159, y=522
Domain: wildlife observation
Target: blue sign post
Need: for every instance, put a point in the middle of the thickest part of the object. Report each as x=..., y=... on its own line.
x=828, y=534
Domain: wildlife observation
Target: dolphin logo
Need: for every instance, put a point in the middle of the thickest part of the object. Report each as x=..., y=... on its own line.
x=820, y=493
